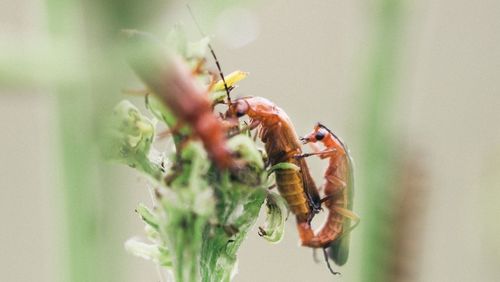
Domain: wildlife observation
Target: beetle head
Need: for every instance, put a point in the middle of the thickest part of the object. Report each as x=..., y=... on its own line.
x=238, y=108
x=317, y=134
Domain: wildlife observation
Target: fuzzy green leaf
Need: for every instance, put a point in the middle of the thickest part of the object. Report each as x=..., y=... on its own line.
x=129, y=139
x=149, y=251
x=277, y=213
x=147, y=216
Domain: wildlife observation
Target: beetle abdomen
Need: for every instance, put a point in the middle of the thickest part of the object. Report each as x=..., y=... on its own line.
x=290, y=187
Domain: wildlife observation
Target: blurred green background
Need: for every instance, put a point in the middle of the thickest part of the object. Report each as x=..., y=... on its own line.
x=411, y=86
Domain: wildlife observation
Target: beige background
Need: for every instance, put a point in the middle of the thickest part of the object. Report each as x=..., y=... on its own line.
x=308, y=59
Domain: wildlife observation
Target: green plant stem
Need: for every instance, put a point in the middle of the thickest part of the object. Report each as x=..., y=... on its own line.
x=378, y=162
x=84, y=34
x=219, y=248
x=80, y=198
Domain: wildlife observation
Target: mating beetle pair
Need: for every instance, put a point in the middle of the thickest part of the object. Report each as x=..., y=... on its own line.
x=174, y=85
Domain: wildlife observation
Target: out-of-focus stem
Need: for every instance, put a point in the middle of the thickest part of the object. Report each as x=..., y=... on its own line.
x=79, y=189
x=85, y=30
x=377, y=159
x=77, y=159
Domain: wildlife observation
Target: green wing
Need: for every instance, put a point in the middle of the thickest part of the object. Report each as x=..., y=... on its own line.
x=339, y=250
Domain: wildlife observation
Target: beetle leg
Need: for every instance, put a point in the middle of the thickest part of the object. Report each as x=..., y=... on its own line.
x=349, y=214
x=246, y=127
x=291, y=154
x=328, y=262
x=326, y=198
x=253, y=124
x=285, y=156
x=230, y=230
x=334, y=194
x=198, y=68
x=255, y=135
x=261, y=232
x=336, y=181
x=300, y=156
x=322, y=154
x=272, y=186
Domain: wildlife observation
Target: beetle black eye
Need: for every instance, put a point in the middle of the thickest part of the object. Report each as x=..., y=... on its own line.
x=319, y=135
x=240, y=108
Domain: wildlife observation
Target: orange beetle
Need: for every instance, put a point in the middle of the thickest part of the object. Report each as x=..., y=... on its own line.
x=282, y=144
x=339, y=194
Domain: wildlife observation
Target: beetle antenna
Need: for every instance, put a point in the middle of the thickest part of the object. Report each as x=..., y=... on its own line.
x=328, y=263
x=213, y=54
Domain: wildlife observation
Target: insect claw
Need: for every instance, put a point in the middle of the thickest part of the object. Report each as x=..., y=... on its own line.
x=328, y=263
x=301, y=156
x=261, y=232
